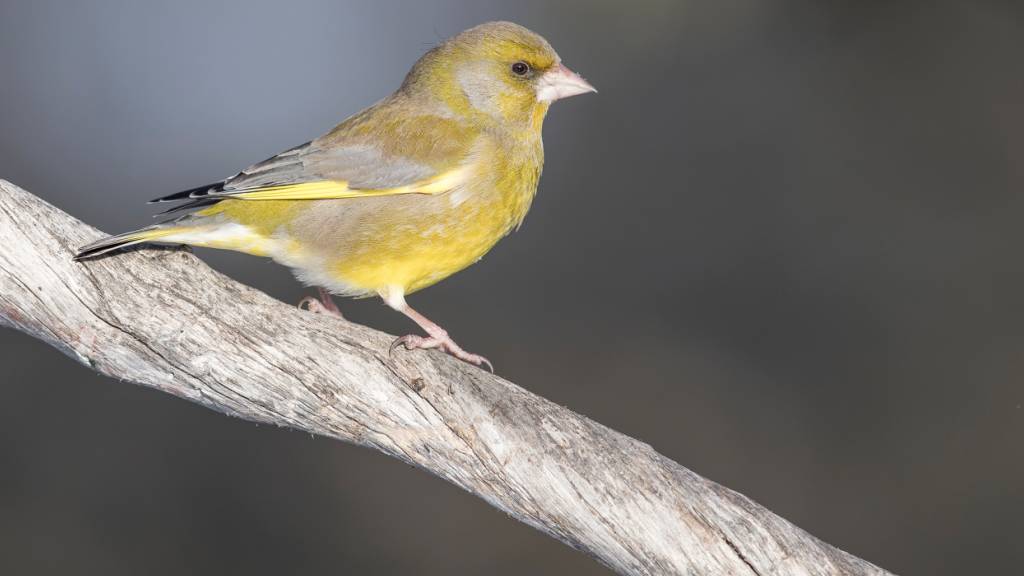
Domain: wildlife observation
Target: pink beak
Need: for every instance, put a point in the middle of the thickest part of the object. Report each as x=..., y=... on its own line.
x=560, y=82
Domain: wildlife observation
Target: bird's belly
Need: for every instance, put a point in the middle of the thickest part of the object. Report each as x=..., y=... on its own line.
x=412, y=256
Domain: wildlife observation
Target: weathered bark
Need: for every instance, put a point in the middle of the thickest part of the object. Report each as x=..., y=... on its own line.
x=163, y=319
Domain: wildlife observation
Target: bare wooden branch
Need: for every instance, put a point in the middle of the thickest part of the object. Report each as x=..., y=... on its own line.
x=163, y=319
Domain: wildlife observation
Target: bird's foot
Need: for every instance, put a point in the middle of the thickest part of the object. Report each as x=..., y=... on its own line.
x=445, y=343
x=322, y=305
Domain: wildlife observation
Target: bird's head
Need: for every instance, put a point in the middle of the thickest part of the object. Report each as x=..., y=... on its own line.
x=498, y=71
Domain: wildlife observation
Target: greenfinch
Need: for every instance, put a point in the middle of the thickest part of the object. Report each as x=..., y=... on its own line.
x=400, y=195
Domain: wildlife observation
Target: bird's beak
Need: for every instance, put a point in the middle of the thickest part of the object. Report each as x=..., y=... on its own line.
x=560, y=82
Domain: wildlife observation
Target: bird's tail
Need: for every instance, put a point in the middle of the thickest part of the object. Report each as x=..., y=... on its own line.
x=170, y=233
x=192, y=230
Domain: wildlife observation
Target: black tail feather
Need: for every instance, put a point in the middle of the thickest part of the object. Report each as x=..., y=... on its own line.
x=111, y=243
x=191, y=199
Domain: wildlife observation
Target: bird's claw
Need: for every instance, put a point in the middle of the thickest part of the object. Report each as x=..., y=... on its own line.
x=323, y=305
x=481, y=361
x=414, y=342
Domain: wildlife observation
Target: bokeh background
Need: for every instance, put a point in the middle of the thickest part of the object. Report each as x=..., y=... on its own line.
x=782, y=245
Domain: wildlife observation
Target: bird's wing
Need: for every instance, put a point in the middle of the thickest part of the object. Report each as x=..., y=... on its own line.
x=419, y=157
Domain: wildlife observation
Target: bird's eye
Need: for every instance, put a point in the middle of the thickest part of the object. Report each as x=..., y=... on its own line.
x=520, y=68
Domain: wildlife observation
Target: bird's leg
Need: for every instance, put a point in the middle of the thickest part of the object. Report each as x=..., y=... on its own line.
x=436, y=337
x=324, y=305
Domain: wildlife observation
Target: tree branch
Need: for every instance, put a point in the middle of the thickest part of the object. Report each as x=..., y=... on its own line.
x=163, y=319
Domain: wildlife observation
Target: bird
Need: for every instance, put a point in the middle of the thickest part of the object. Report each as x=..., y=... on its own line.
x=400, y=195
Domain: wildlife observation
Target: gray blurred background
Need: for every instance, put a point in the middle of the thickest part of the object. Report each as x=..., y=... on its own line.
x=782, y=245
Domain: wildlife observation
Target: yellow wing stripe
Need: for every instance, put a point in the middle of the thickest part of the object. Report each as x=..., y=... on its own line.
x=333, y=189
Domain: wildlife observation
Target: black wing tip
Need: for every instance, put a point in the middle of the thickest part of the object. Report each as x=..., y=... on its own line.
x=191, y=193
x=189, y=205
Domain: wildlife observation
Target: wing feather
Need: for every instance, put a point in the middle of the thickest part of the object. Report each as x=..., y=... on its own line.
x=348, y=164
x=334, y=189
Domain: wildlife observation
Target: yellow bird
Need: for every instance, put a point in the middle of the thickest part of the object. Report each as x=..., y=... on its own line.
x=398, y=196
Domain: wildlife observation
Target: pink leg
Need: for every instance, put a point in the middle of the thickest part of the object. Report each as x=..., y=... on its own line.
x=324, y=305
x=436, y=337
